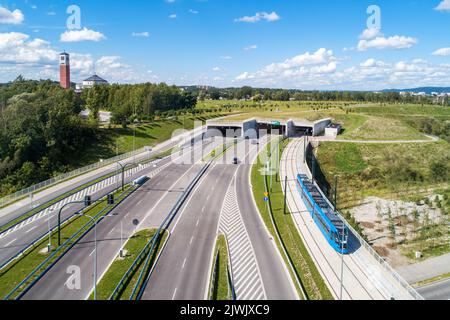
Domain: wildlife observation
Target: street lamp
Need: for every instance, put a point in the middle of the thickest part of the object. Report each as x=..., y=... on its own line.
x=87, y=202
x=123, y=167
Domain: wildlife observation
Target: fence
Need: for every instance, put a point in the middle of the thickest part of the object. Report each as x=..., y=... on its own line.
x=402, y=282
x=45, y=184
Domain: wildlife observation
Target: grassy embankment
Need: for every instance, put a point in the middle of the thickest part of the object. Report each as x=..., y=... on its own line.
x=219, y=283
x=305, y=269
x=132, y=248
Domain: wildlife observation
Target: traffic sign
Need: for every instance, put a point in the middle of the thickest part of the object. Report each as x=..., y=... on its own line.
x=266, y=194
x=266, y=199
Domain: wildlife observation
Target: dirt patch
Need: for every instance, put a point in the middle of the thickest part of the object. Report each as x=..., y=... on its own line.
x=389, y=225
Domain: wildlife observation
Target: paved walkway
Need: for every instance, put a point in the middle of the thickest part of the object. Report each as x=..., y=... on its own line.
x=329, y=139
x=427, y=269
x=364, y=278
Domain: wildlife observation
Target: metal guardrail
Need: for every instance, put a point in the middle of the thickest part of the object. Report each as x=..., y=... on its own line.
x=148, y=249
x=64, y=248
x=386, y=266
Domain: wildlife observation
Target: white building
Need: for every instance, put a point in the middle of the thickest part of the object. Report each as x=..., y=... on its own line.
x=92, y=81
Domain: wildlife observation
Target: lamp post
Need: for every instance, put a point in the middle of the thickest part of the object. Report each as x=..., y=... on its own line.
x=123, y=167
x=59, y=217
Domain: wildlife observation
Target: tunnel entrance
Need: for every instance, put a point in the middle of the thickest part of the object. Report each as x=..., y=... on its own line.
x=302, y=131
x=273, y=128
x=223, y=131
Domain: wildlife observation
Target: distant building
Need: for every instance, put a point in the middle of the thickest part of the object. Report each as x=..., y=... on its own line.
x=333, y=130
x=64, y=70
x=93, y=81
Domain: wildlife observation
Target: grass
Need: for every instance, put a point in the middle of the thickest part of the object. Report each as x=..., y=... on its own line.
x=220, y=288
x=431, y=280
x=304, y=266
x=118, y=140
x=120, y=266
x=383, y=170
x=18, y=270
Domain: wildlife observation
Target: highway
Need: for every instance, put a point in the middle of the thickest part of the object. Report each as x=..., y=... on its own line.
x=149, y=205
x=22, y=236
x=436, y=291
x=183, y=270
x=364, y=277
x=19, y=208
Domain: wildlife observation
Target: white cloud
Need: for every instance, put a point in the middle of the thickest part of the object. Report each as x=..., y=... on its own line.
x=370, y=33
x=395, y=42
x=251, y=47
x=11, y=17
x=193, y=11
x=269, y=17
x=442, y=52
x=144, y=34
x=82, y=35
x=226, y=57
x=323, y=71
x=444, y=6
x=173, y=16
x=216, y=69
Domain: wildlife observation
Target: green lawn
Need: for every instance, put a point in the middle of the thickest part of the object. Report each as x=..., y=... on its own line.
x=113, y=141
x=120, y=265
x=304, y=266
x=395, y=171
x=18, y=270
x=220, y=289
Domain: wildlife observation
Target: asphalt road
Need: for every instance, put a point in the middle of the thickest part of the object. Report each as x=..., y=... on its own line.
x=150, y=205
x=436, y=291
x=182, y=272
x=276, y=279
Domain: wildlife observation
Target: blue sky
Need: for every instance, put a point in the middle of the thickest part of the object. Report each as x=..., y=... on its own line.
x=318, y=44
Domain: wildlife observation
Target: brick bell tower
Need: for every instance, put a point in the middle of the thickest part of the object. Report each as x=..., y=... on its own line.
x=64, y=70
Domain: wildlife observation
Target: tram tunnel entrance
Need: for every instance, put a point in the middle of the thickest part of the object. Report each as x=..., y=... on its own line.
x=273, y=128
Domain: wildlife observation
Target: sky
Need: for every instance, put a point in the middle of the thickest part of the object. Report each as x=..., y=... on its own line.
x=298, y=44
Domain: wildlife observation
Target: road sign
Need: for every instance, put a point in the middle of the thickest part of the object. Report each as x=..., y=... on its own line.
x=266, y=194
x=266, y=199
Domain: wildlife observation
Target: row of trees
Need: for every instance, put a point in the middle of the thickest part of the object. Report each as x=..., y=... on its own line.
x=141, y=100
x=262, y=94
x=39, y=127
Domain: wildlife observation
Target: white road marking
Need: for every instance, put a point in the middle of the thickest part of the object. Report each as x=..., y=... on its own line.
x=11, y=242
x=174, y=294
x=92, y=253
x=192, y=239
x=31, y=229
x=184, y=263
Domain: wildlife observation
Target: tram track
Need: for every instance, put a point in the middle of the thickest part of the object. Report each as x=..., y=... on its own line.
x=292, y=155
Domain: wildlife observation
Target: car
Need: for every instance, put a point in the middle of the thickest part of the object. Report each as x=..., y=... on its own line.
x=235, y=160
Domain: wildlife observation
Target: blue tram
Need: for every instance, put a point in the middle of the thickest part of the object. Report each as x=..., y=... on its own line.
x=329, y=223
